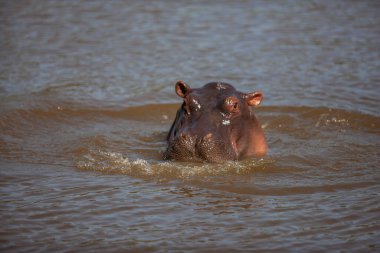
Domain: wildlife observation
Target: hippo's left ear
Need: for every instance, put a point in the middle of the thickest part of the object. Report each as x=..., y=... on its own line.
x=254, y=98
x=181, y=88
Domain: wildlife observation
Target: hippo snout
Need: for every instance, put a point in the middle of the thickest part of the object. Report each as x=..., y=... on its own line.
x=196, y=148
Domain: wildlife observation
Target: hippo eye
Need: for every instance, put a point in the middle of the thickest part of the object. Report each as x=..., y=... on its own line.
x=191, y=105
x=231, y=104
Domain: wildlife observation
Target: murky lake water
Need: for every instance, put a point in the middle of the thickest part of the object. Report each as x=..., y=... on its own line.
x=87, y=97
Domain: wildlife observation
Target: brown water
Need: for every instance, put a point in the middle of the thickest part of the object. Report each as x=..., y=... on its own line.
x=87, y=97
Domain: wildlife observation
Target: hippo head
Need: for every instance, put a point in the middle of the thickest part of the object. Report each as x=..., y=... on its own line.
x=214, y=124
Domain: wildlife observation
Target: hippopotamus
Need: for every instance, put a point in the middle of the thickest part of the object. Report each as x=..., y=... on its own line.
x=215, y=124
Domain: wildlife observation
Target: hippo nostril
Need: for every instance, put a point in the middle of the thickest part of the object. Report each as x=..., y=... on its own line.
x=186, y=138
x=205, y=142
x=208, y=136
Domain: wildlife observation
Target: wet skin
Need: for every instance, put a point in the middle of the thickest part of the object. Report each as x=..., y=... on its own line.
x=214, y=124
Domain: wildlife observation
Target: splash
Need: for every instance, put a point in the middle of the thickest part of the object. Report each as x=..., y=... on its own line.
x=327, y=119
x=116, y=163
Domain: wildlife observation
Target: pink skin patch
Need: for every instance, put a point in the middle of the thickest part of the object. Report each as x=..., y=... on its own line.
x=234, y=147
x=208, y=136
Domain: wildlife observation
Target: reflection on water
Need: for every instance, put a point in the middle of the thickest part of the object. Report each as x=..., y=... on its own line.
x=87, y=98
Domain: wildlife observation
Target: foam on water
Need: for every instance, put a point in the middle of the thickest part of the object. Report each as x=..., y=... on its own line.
x=112, y=162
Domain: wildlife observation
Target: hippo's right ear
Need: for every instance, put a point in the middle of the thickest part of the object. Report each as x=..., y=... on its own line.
x=182, y=89
x=254, y=98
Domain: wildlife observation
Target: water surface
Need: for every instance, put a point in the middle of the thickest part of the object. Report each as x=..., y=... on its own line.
x=87, y=98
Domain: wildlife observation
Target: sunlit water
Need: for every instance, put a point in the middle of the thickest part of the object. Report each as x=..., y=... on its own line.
x=87, y=98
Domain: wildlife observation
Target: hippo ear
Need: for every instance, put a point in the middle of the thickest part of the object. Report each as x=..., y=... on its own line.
x=254, y=98
x=182, y=89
